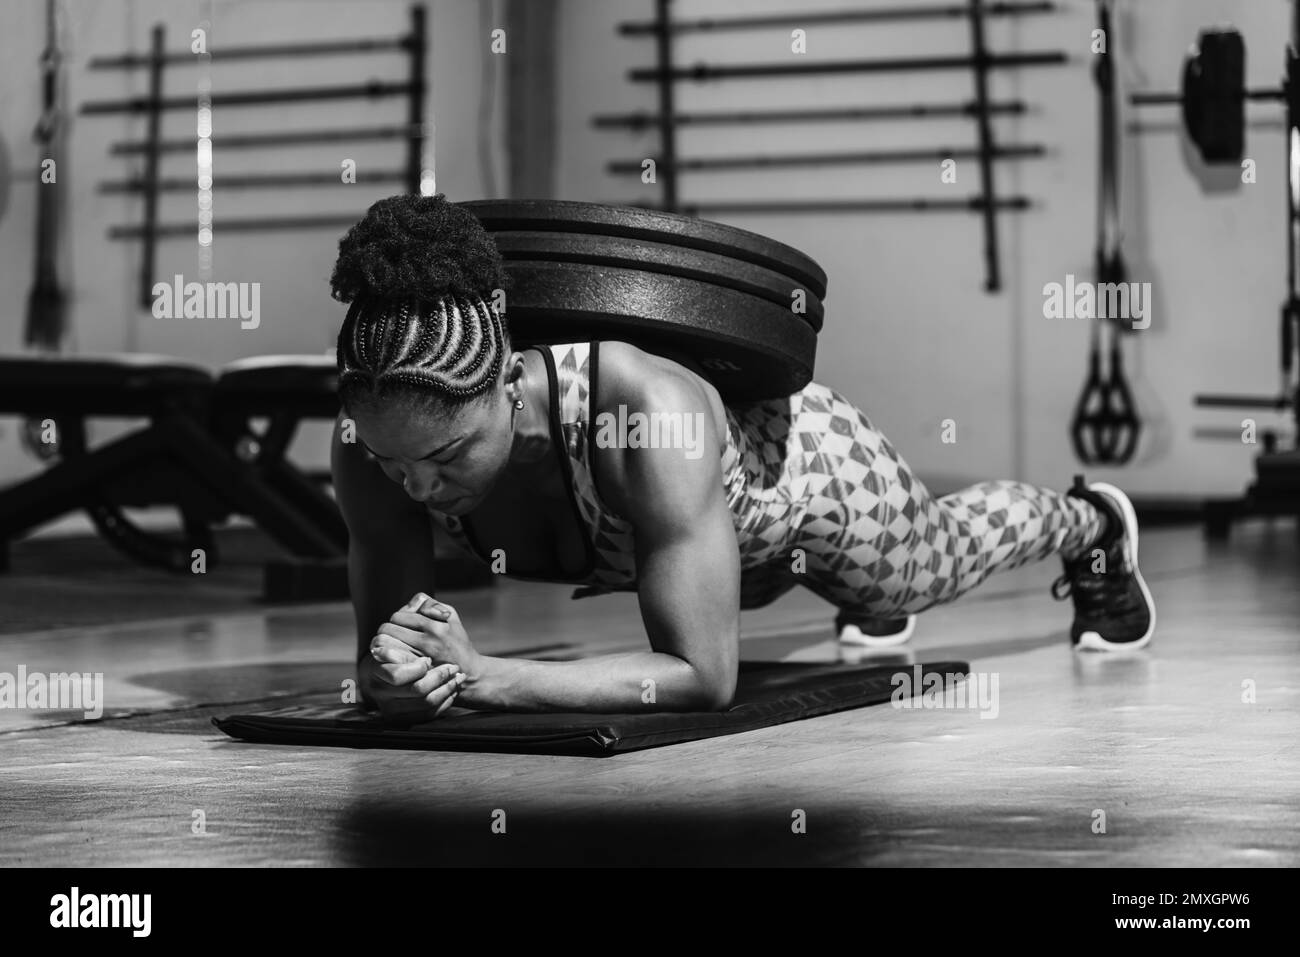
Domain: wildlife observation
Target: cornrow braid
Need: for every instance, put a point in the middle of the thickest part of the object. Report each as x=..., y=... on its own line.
x=450, y=349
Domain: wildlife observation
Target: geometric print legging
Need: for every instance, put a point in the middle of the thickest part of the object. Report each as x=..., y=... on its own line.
x=874, y=542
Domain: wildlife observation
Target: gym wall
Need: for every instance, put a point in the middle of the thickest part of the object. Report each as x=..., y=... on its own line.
x=297, y=312
x=910, y=335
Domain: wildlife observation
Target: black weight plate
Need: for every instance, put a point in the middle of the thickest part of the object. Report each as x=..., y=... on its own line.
x=749, y=348
x=1214, y=104
x=660, y=258
x=630, y=222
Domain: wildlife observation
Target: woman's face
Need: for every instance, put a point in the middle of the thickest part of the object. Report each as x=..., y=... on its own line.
x=447, y=458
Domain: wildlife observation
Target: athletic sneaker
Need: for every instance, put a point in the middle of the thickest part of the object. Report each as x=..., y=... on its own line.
x=875, y=632
x=1113, y=610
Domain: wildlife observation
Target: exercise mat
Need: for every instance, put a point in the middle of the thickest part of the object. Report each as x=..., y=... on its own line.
x=768, y=693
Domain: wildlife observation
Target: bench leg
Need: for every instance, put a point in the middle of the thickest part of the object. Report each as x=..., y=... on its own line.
x=308, y=497
x=72, y=484
x=150, y=549
x=238, y=485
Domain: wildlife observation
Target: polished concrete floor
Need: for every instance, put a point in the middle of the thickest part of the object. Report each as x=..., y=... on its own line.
x=1155, y=758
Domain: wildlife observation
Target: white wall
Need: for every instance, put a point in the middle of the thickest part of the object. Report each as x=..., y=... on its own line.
x=910, y=334
x=293, y=268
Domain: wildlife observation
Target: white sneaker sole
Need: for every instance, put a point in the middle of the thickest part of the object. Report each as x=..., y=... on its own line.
x=853, y=635
x=1090, y=640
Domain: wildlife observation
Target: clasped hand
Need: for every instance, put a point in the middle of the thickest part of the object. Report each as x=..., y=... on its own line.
x=419, y=661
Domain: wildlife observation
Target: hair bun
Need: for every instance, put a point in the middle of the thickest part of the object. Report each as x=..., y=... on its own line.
x=417, y=248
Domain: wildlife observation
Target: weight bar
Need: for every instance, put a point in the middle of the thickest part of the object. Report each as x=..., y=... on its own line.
x=235, y=225
x=806, y=18
x=644, y=120
x=373, y=89
x=926, y=154
x=735, y=71
x=185, y=184
x=131, y=61
x=244, y=141
x=627, y=222
x=749, y=348
x=658, y=258
x=1214, y=96
x=1278, y=403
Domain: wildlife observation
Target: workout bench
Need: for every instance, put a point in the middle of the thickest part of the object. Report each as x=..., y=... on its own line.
x=185, y=455
x=199, y=452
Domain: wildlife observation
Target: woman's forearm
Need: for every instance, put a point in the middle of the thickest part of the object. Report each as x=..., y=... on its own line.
x=630, y=682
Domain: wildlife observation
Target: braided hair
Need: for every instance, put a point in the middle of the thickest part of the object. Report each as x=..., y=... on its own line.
x=418, y=271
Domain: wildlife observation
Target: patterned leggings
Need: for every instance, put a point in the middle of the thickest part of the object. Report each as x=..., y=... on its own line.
x=874, y=541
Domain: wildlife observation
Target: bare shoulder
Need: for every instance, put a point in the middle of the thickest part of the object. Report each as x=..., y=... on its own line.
x=656, y=423
x=638, y=379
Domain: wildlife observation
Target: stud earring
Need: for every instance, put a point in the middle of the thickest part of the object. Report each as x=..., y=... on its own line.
x=519, y=405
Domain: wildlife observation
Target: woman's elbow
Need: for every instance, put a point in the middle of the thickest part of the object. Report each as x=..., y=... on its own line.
x=712, y=692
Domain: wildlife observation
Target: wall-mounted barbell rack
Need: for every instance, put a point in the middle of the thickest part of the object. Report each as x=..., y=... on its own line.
x=152, y=148
x=666, y=74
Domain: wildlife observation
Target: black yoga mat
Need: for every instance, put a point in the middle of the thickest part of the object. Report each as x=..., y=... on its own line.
x=768, y=693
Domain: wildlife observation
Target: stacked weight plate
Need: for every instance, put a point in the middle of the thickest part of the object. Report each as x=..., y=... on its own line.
x=674, y=285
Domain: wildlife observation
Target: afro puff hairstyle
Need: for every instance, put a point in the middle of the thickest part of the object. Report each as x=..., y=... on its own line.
x=417, y=248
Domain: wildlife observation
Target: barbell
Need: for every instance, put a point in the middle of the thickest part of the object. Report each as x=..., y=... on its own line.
x=1214, y=95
